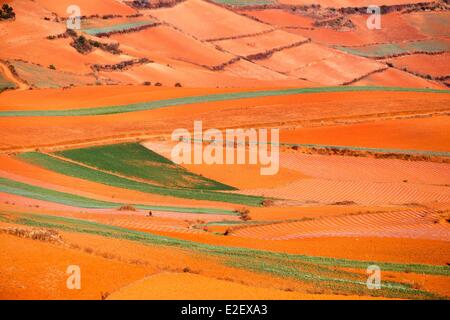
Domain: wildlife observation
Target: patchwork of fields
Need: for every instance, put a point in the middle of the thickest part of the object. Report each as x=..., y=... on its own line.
x=87, y=175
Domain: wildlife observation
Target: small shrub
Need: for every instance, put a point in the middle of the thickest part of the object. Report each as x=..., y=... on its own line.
x=7, y=12
x=127, y=207
x=104, y=295
x=82, y=45
x=244, y=214
x=52, y=67
x=88, y=250
x=178, y=85
x=158, y=84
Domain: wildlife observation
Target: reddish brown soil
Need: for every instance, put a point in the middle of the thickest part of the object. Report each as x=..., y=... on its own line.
x=422, y=64
x=414, y=134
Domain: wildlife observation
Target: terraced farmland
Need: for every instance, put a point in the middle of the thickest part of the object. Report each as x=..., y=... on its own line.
x=87, y=123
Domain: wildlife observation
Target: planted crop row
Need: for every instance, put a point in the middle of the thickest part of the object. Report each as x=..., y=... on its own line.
x=78, y=171
x=134, y=160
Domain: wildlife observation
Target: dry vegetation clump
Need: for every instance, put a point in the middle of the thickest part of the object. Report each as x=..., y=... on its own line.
x=7, y=12
x=104, y=295
x=48, y=235
x=244, y=214
x=119, y=66
x=127, y=207
x=343, y=203
x=152, y=4
x=268, y=203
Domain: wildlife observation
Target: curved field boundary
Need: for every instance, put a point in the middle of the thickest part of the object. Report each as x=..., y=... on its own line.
x=38, y=193
x=142, y=106
x=79, y=171
x=318, y=270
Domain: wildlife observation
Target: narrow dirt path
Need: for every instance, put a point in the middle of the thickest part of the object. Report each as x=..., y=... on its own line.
x=4, y=70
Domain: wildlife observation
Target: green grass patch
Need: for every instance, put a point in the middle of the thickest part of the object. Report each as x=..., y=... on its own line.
x=393, y=49
x=202, y=99
x=323, y=272
x=136, y=161
x=35, y=192
x=82, y=172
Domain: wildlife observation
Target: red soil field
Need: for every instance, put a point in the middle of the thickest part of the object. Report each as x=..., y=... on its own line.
x=395, y=27
x=239, y=176
x=46, y=278
x=225, y=114
x=407, y=224
x=423, y=64
x=172, y=72
x=403, y=250
x=280, y=18
x=88, y=97
x=320, y=64
x=177, y=286
x=414, y=134
x=434, y=24
x=192, y=15
x=297, y=212
x=391, y=77
x=366, y=169
x=171, y=44
x=259, y=44
x=361, y=192
x=88, y=7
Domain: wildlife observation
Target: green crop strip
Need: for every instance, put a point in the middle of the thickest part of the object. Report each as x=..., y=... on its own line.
x=82, y=172
x=142, y=106
x=117, y=27
x=34, y=192
x=390, y=49
x=318, y=270
x=136, y=161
